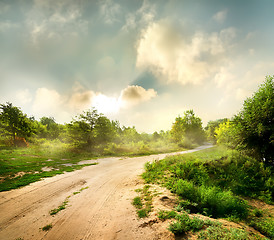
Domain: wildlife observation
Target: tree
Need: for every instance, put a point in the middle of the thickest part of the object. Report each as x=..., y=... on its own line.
x=189, y=127
x=255, y=123
x=14, y=123
x=81, y=129
x=52, y=128
x=211, y=128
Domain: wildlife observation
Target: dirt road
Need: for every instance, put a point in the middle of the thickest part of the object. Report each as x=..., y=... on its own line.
x=101, y=211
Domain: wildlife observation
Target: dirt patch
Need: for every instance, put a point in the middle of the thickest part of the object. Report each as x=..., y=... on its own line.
x=47, y=169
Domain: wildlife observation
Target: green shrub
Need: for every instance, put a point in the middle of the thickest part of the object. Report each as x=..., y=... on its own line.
x=184, y=224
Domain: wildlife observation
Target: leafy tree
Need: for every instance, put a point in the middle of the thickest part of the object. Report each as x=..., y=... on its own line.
x=14, y=123
x=52, y=128
x=211, y=129
x=104, y=130
x=255, y=123
x=81, y=129
x=189, y=127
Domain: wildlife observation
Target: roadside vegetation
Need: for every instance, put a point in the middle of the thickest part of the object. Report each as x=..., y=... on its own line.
x=32, y=149
x=143, y=202
x=226, y=180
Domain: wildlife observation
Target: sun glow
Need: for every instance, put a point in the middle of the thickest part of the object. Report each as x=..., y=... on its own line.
x=106, y=104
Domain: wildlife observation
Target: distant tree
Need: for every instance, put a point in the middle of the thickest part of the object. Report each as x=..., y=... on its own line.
x=81, y=129
x=104, y=130
x=14, y=123
x=130, y=134
x=190, y=127
x=52, y=128
x=255, y=123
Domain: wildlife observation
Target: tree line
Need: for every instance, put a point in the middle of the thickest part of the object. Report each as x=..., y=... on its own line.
x=249, y=131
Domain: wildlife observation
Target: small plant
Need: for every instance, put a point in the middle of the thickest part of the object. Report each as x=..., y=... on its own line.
x=163, y=215
x=137, y=202
x=143, y=202
x=47, y=227
x=60, y=208
x=142, y=213
x=184, y=224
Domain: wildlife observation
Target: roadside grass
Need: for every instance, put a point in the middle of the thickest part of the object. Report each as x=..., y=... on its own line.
x=22, y=166
x=143, y=203
x=214, y=183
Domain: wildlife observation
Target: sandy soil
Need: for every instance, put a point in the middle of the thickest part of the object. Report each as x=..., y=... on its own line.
x=102, y=211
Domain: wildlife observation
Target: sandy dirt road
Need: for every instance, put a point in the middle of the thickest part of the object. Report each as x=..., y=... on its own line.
x=102, y=211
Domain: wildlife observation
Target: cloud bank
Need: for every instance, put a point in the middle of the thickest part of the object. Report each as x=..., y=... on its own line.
x=175, y=57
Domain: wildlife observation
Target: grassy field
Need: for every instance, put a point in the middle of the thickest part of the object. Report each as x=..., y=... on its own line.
x=21, y=166
x=217, y=183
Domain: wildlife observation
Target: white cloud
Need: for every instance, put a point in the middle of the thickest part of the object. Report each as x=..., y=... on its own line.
x=55, y=22
x=142, y=17
x=175, y=57
x=110, y=11
x=133, y=95
x=220, y=16
x=23, y=96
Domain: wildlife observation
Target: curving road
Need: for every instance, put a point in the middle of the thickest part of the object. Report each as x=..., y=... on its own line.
x=102, y=211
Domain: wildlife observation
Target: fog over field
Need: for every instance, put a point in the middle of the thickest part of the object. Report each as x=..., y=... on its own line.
x=140, y=62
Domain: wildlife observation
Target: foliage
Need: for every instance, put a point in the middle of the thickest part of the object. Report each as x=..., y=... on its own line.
x=188, y=127
x=184, y=224
x=211, y=129
x=60, y=208
x=47, y=227
x=264, y=226
x=211, y=185
x=217, y=231
x=143, y=203
x=14, y=123
x=254, y=123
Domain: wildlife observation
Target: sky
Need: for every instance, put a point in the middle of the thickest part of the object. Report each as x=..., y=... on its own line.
x=141, y=62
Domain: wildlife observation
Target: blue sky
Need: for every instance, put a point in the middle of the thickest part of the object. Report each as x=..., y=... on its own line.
x=140, y=62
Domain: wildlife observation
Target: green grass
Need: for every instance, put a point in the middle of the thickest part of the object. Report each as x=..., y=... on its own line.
x=22, y=166
x=60, y=208
x=143, y=203
x=213, y=182
x=219, y=232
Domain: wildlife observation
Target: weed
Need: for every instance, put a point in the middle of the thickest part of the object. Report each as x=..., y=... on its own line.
x=77, y=192
x=60, y=208
x=219, y=232
x=163, y=215
x=142, y=213
x=47, y=227
x=143, y=202
x=184, y=224
x=137, y=202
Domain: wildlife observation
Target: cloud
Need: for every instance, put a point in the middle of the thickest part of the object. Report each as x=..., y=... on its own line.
x=175, y=56
x=220, y=16
x=140, y=18
x=24, y=96
x=133, y=95
x=110, y=11
x=51, y=22
x=7, y=25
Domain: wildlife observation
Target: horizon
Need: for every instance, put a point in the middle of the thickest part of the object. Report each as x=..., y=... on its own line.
x=142, y=63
